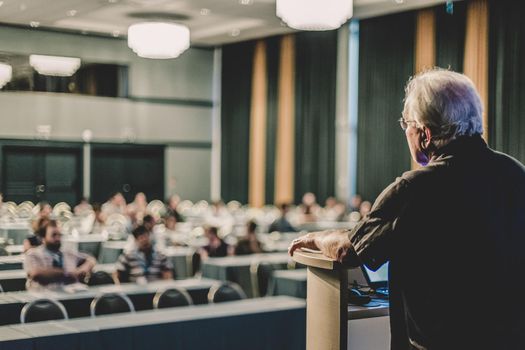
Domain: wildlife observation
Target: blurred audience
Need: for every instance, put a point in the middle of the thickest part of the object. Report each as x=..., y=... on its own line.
x=142, y=262
x=309, y=207
x=355, y=202
x=39, y=230
x=282, y=224
x=249, y=244
x=216, y=247
x=49, y=266
x=82, y=207
x=171, y=209
x=137, y=209
x=365, y=208
x=115, y=204
x=99, y=221
x=45, y=210
x=333, y=210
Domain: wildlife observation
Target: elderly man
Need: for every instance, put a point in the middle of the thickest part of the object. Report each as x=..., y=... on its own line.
x=453, y=231
x=48, y=266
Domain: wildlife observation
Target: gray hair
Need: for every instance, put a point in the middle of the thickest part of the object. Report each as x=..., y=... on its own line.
x=446, y=102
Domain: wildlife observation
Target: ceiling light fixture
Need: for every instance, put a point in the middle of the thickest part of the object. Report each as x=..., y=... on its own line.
x=235, y=32
x=6, y=73
x=205, y=12
x=314, y=14
x=158, y=40
x=54, y=65
x=34, y=24
x=246, y=2
x=71, y=13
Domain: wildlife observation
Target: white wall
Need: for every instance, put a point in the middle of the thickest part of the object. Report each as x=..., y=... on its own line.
x=187, y=79
x=187, y=172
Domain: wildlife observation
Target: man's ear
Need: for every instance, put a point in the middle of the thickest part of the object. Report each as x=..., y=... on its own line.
x=426, y=137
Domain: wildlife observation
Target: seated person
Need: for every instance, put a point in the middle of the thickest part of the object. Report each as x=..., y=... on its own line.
x=39, y=229
x=168, y=231
x=282, y=224
x=99, y=220
x=249, y=244
x=49, y=266
x=173, y=202
x=82, y=207
x=216, y=247
x=143, y=262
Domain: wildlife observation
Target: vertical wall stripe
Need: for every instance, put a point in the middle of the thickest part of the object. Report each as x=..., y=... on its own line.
x=477, y=51
x=215, y=186
x=342, y=135
x=450, y=36
x=257, y=167
x=425, y=46
x=285, y=160
x=273, y=45
x=236, y=87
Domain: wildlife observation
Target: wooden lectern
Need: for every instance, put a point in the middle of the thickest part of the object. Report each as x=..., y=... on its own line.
x=326, y=303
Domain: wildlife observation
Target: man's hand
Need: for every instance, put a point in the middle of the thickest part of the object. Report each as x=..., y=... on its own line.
x=333, y=244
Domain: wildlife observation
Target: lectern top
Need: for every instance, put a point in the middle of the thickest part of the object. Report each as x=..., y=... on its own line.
x=316, y=259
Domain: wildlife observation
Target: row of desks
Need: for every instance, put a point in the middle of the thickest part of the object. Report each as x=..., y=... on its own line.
x=77, y=303
x=259, y=324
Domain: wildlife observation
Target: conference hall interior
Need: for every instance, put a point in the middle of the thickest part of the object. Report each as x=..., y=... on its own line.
x=158, y=158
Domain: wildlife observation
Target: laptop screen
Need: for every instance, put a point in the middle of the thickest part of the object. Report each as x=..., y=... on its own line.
x=377, y=278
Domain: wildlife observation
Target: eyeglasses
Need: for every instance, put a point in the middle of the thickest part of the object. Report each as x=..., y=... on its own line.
x=405, y=123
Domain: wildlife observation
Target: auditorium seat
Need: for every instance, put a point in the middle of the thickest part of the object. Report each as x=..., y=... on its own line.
x=172, y=297
x=111, y=303
x=226, y=291
x=43, y=310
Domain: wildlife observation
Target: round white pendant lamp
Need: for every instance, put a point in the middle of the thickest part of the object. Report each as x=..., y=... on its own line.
x=158, y=40
x=314, y=14
x=57, y=66
x=6, y=73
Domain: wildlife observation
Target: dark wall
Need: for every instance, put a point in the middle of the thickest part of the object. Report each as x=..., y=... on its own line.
x=235, y=120
x=315, y=94
x=507, y=78
x=386, y=61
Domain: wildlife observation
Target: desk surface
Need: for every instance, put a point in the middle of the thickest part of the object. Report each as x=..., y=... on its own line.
x=246, y=260
x=91, y=292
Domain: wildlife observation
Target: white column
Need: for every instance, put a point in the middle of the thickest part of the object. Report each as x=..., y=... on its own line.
x=216, y=127
x=341, y=120
x=353, y=84
x=86, y=170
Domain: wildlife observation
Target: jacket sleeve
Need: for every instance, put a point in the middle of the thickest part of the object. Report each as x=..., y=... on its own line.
x=373, y=237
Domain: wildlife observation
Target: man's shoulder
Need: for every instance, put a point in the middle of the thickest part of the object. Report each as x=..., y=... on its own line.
x=36, y=251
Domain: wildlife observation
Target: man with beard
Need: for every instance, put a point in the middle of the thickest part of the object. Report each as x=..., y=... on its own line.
x=142, y=262
x=48, y=266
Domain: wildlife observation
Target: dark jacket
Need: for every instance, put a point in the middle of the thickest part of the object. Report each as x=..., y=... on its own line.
x=454, y=233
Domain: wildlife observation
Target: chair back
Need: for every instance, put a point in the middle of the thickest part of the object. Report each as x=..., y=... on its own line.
x=111, y=303
x=226, y=291
x=172, y=297
x=3, y=251
x=99, y=278
x=261, y=274
x=43, y=310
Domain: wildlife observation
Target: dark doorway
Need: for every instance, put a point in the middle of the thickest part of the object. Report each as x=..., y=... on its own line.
x=128, y=169
x=37, y=173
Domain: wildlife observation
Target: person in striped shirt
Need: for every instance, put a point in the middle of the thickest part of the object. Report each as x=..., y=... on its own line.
x=142, y=263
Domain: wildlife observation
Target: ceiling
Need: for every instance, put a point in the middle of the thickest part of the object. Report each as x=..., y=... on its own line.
x=212, y=22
